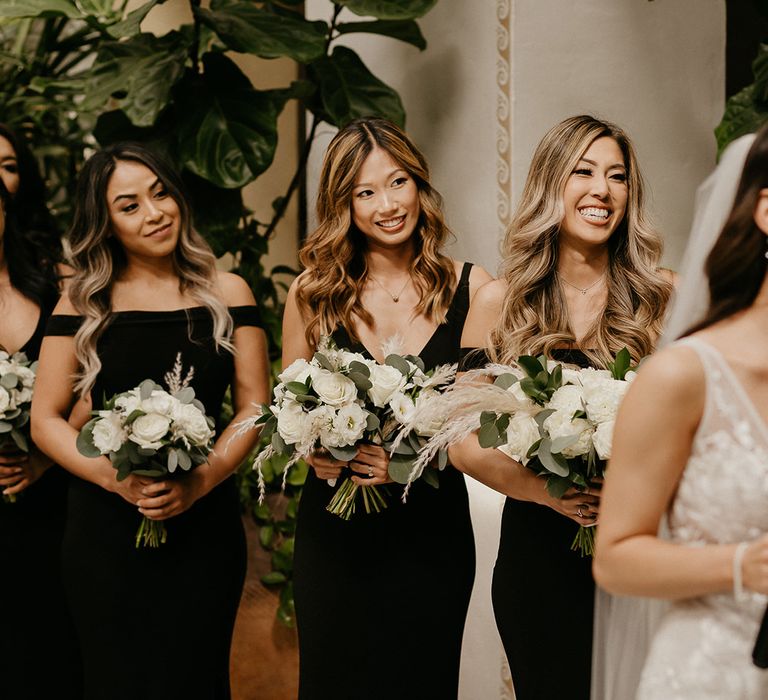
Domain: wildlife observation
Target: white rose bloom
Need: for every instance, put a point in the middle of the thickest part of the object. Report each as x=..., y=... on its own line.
x=3, y=355
x=334, y=389
x=349, y=424
x=603, y=439
x=108, y=433
x=559, y=424
x=148, y=430
x=5, y=400
x=24, y=396
x=629, y=377
x=292, y=423
x=129, y=402
x=298, y=371
x=402, y=407
x=26, y=375
x=431, y=412
x=387, y=381
x=190, y=422
x=602, y=396
x=161, y=402
x=522, y=432
x=571, y=376
x=567, y=398
x=346, y=358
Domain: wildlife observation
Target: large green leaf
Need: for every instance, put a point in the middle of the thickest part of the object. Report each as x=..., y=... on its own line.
x=130, y=25
x=38, y=8
x=138, y=73
x=227, y=130
x=742, y=116
x=760, y=71
x=405, y=30
x=249, y=29
x=389, y=9
x=348, y=90
x=217, y=213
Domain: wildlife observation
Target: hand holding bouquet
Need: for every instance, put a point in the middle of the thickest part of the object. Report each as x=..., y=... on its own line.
x=17, y=379
x=150, y=432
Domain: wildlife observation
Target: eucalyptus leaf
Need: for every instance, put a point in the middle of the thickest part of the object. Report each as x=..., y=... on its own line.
x=400, y=468
x=442, y=459
x=227, y=131
x=185, y=462
x=138, y=74
x=173, y=461
x=488, y=435
x=146, y=388
x=84, y=441
x=372, y=422
x=20, y=439
x=562, y=443
x=297, y=388
x=550, y=461
x=404, y=448
x=389, y=9
x=185, y=395
x=487, y=417
x=405, y=30
x=398, y=363
x=362, y=382
x=360, y=368
x=505, y=381
x=9, y=380
x=557, y=486
x=246, y=28
x=278, y=444
x=348, y=90
x=307, y=398
x=344, y=454
x=324, y=362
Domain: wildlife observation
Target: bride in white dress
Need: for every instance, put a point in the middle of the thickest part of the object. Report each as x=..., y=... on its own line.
x=691, y=444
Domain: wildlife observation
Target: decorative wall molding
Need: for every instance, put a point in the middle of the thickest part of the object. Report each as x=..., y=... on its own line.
x=504, y=12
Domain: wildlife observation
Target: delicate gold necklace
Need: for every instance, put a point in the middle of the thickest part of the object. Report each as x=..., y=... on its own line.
x=583, y=290
x=394, y=297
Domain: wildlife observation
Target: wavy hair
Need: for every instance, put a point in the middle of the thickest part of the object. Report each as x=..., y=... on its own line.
x=737, y=264
x=534, y=317
x=333, y=256
x=31, y=243
x=99, y=258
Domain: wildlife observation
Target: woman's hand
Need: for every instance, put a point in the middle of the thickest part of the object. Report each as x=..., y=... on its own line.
x=754, y=566
x=325, y=466
x=373, y=462
x=19, y=470
x=166, y=498
x=582, y=507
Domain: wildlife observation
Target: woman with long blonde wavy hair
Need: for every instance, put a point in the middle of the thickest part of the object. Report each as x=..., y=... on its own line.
x=146, y=302
x=396, y=582
x=580, y=281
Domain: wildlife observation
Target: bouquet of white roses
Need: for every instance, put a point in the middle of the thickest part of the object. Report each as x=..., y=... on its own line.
x=557, y=421
x=150, y=432
x=17, y=380
x=335, y=401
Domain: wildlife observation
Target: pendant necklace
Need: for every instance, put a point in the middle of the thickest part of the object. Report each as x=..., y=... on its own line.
x=395, y=297
x=583, y=290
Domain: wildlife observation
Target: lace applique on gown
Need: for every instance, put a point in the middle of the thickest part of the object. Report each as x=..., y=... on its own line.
x=703, y=647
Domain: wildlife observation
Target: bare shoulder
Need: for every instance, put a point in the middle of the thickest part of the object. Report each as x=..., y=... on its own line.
x=234, y=289
x=490, y=296
x=477, y=275
x=674, y=374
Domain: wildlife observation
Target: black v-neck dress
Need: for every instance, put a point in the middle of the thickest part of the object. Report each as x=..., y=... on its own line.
x=156, y=624
x=38, y=652
x=381, y=599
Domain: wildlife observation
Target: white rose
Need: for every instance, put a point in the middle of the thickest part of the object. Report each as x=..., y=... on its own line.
x=190, y=421
x=161, y=402
x=3, y=355
x=334, y=389
x=559, y=424
x=387, y=381
x=629, y=377
x=344, y=358
x=298, y=371
x=129, y=402
x=349, y=424
x=148, y=430
x=522, y=432
x=567, y=398
x=571, y=376
x=108, y=433
x=603, y=439
x=26, y=375
x=24, y=396
x=602, y=396
x=5, y=400
x=431, y=412
x=292, y=423
x=402, y=407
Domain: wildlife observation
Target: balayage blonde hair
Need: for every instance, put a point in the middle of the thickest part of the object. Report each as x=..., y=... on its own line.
x=534, y=317
x=98, y=257
x=333, y=256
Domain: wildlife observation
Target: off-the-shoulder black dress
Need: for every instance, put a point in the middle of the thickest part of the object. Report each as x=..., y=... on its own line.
x=381, y=599
x=38, y=651
x=155, y=624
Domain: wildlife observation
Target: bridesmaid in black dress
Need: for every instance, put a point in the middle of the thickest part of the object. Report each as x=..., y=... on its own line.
x=38, y=653
x=381, y=599
x=579, y=282
x=153, y=623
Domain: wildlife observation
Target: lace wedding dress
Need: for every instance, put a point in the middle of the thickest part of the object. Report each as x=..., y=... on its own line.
x=702, y=649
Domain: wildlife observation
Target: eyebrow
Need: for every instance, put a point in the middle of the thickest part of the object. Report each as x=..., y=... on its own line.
x=368, y=184
x=133, y=196
x=7, y=159
x=615, y=165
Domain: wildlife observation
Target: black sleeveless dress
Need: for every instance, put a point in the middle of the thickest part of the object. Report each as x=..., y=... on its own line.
x=381, y=599
x=38, y=652
x=155, y=624
x=543, y=597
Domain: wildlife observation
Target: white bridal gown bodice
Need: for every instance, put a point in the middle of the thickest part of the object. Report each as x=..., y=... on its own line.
x=702, y=649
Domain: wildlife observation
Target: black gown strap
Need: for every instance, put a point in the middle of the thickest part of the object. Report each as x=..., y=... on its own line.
x=60, y=324
x=246, y=315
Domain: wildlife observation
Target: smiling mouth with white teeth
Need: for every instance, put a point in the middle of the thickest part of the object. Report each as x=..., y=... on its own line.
x=596, y=214
x=391, y=223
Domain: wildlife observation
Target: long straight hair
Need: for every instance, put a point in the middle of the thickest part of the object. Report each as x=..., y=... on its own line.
x=336, y=269
x=99, y=258
x=534, y=317
x=737, y=264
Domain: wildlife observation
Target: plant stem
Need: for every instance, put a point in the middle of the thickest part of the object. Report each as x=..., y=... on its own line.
x=194, y=50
